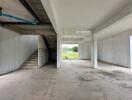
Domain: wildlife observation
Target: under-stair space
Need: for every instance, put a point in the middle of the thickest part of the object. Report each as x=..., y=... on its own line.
x=51, y=43
x=32, y=61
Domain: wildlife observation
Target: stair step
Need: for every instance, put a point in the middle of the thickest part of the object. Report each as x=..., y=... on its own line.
x=33, y=57
x=28, y=67
x=32, y=61
x=30, y=64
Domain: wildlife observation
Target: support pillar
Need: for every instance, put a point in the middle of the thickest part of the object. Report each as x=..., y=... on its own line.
x=59, y=47
x=130, y=52
x=94, y=59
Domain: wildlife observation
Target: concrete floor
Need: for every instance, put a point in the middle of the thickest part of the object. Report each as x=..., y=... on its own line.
x=76, y=80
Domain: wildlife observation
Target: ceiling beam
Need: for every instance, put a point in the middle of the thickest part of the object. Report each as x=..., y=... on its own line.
x=29, y=8
x=71, y=40
x=51, y=12
x=19, y=30
x=42, y=29
x=36, y=27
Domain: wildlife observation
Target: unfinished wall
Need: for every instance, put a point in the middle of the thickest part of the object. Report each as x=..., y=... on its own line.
x=42, y=53
x=115, y=49
x=51, y=38
x=15, y=49
x=85, y=50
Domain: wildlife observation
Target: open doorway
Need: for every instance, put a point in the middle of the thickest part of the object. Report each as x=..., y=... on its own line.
x=70, y=52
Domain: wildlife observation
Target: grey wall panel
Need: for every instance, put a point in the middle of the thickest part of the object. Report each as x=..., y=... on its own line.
x=104, y=50
x=85, y=50
x=43, y=57
x=43, y=54
x=15, y=49
x=115, y=49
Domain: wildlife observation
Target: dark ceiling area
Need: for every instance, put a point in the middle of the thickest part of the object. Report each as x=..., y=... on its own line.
x=39, y=10
x=24, y=16
x=23, y=12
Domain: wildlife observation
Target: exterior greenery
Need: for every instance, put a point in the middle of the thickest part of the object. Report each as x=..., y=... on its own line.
x=70, y=53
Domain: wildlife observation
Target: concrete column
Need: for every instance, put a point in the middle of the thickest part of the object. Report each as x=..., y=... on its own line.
x=59, y=48
x=130, y=52
x=93, y=51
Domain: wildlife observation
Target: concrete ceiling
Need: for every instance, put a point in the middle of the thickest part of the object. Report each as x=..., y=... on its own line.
x=99, y=16
x=69, y=17
x=86, y=14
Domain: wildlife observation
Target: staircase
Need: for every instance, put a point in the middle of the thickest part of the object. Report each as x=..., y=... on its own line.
x=32, y=61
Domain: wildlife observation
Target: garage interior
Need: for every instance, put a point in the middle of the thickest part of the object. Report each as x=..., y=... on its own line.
x=32, y=33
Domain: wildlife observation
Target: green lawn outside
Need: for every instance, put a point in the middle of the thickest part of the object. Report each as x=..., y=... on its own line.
x=70, y=55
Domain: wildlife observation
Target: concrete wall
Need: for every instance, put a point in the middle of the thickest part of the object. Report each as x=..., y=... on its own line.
x=42, y=53
x=59, y=50
x=115, y=49
x=15, y=49
x=85, y=50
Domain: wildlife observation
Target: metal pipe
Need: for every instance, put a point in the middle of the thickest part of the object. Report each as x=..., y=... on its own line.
x=17, y=18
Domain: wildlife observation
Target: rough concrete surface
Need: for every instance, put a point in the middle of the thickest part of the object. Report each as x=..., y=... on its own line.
x=75, y=80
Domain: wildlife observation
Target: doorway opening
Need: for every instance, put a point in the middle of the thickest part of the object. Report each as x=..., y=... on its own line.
x=70, y=52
